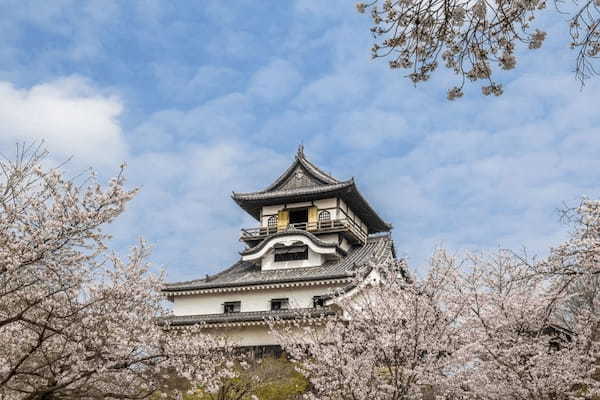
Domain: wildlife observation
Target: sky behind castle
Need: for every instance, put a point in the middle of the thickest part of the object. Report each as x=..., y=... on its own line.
x=202, y=98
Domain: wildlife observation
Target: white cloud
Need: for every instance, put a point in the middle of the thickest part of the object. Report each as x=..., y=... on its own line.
x=71, y=116
x=226, y=116
x=275, y=81
x=184, y=208
x=366, y=129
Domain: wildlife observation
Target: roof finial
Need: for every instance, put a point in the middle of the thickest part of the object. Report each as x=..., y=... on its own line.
x=301, y=150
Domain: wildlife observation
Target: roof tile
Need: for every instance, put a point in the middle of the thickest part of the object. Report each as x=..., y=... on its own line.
x=244, y=273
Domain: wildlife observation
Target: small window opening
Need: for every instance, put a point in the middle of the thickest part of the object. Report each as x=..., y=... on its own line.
x=279, y=304
x=291, y=253
x=324, y=216
x=324, y=219
x=318, y=302
x=272, y=223
x=299, y=218
x=232, y=307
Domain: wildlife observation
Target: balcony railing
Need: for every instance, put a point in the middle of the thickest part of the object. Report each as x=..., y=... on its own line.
x=333, y=225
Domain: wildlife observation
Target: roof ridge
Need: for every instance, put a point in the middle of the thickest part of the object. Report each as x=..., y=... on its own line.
x=301, y=159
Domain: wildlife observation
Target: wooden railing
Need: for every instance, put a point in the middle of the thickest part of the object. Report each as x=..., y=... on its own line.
x=333, y=225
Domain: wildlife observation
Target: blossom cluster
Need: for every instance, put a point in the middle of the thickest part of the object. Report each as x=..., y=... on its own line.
x=469, y=37
x=480, y=326
x=76, y=320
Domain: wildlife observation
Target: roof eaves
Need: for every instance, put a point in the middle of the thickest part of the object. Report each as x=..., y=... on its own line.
x=250, y=196
x=371, y=210
x=253, y=316
x=339, y=275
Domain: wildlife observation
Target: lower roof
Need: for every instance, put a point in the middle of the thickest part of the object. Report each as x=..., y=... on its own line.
x=245, y=273
x=250, y=316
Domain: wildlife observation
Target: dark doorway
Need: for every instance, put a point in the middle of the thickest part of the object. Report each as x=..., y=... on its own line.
x=299, y=216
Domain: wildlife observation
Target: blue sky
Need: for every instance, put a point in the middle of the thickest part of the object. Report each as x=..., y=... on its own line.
x=202, y=98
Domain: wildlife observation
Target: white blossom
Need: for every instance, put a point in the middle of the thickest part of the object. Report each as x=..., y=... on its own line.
x=469, y=35
x=76, y=320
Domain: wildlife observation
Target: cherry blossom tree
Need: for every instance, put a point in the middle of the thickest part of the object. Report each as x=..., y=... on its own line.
x=393, y=339
x=516, y=343
x=473, y=38
x=76, y=320
x=479, y=326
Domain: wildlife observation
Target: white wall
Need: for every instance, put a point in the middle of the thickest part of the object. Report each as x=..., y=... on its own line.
x=256, y=300
x=350, y=215
x=330, y=237
x=247, y=335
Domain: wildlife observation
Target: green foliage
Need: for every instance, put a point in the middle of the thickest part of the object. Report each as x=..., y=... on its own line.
x=280, y=381
x=267, y=379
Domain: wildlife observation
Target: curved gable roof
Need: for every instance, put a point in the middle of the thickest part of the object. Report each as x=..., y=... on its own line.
x=300, y=162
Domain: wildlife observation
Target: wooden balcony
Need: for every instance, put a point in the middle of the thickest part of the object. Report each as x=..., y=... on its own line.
x=348, y=227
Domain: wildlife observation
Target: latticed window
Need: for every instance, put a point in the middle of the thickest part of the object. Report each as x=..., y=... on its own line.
x=272, y=222
x=324, y=216
x=291, y=253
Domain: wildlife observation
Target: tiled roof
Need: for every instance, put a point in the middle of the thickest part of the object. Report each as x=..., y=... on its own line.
x=320, y=175
x=244, y=273
x=301, y=191
x=248, y=316
x=303, y=181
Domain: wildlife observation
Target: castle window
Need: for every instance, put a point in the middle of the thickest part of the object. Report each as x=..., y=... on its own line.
x=291, y=253
x=318, y=302
x=299, y=218
x=272, y=223
x=232, y=307
x=279, y=304
x=324, y=216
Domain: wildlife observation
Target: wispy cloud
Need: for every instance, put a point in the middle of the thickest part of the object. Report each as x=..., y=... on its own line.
x=72, y=117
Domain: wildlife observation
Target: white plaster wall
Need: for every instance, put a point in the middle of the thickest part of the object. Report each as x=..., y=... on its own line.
x=255, y=300
x=247, y=335
x=270, y=210
x=351, y=215
x=298, y=205
x=326, y=203
x=345, y=244
x=330, y=237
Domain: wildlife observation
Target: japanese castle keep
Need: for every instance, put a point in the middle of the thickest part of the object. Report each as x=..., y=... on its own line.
x=314, y=233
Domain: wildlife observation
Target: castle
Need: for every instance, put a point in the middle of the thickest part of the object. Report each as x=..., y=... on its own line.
x=314, y=234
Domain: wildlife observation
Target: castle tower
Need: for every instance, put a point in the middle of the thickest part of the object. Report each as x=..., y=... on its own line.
x=314, y=233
